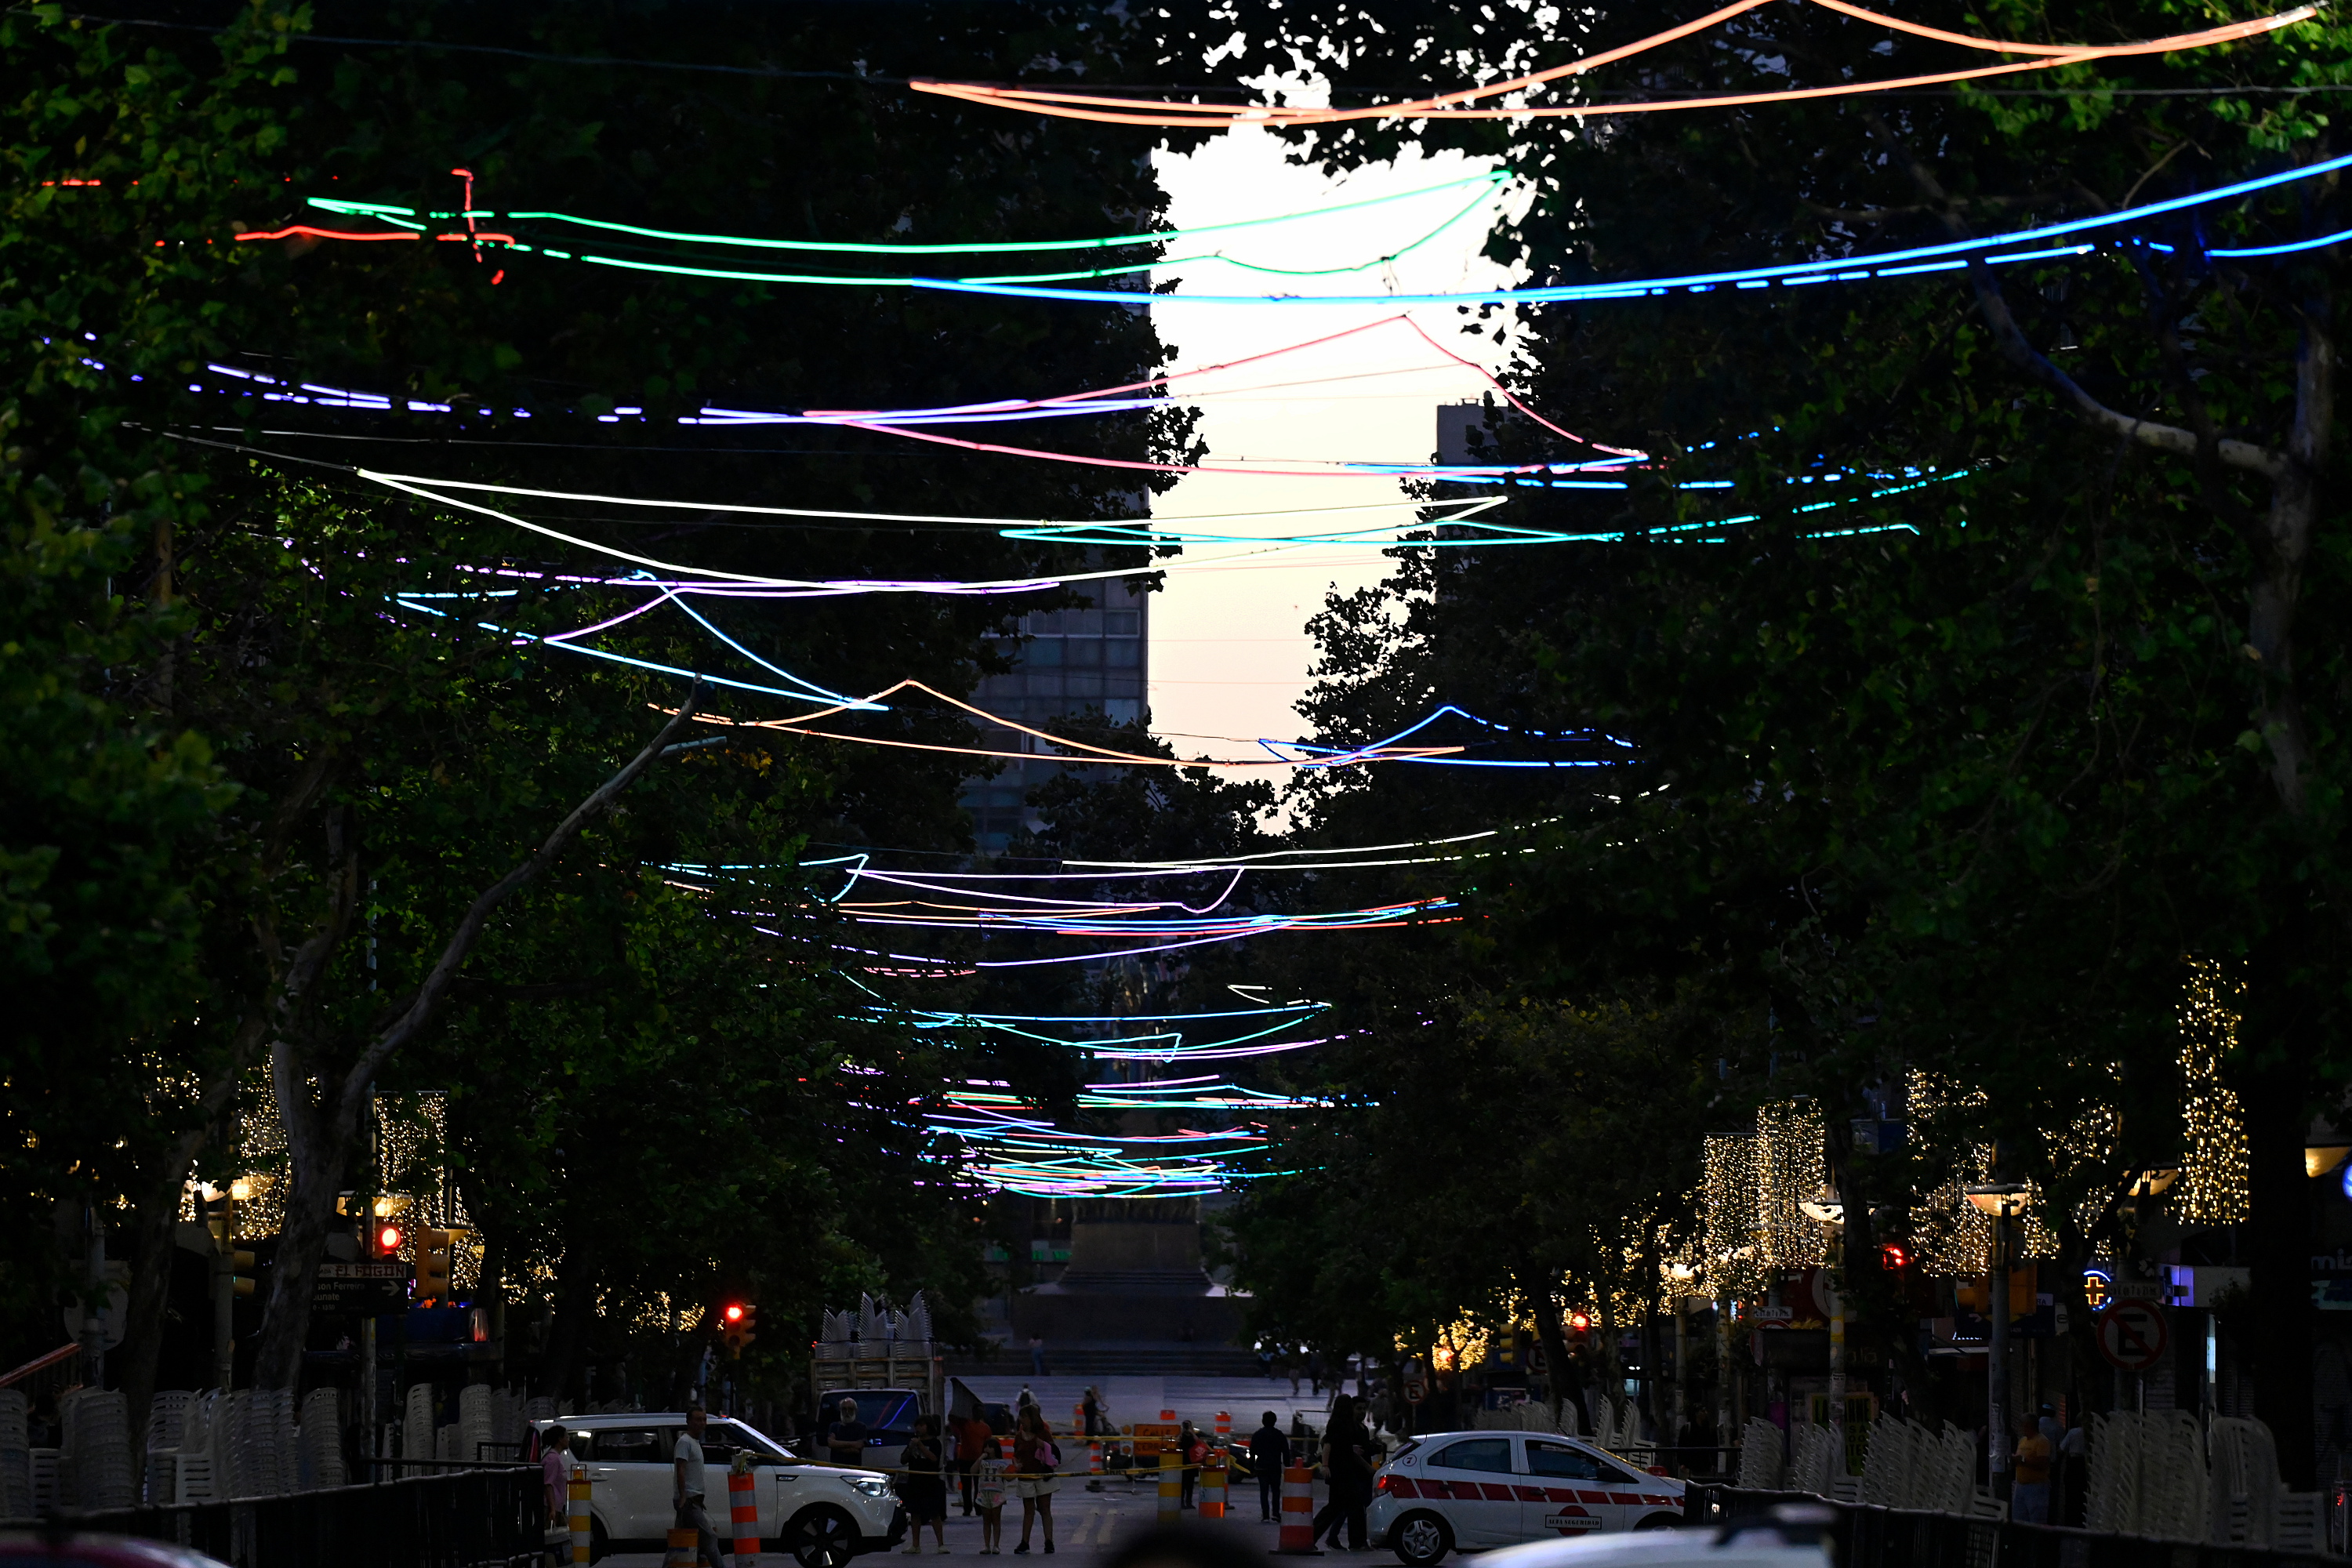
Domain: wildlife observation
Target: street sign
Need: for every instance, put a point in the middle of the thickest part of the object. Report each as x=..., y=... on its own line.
x=368, y=1287
x=2132, y=1334
x=1415, y=1391
x=1769, y=1314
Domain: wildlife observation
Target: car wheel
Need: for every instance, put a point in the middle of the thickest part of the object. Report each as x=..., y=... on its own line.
x=1420, y=1540
x=821, y=1538
x=1661, y=1522
x=600, y=1545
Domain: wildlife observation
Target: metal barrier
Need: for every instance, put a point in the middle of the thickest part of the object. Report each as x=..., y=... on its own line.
x=460, y=1520
x=1864, y=1535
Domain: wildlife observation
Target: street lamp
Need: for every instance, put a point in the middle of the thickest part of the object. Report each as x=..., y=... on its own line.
x=2002, y=1202
x=1828, y=1211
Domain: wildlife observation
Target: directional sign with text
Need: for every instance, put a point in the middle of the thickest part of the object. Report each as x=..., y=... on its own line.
x=365, y=1288
x=2132, y=1334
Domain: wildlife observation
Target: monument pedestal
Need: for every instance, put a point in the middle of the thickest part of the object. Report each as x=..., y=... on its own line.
x=1134, y=1275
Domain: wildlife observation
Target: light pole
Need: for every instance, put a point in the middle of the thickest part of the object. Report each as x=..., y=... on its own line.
x=1829, y=1213
x=2004, y=1201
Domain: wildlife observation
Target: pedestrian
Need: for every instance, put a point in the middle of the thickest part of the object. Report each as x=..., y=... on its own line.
x=973, y=1439
x=1193, y=1453
x=1025, y=1400
x=1269, y=1453
x=1265, y=1359
x=1035, y=1461
x=555, y=1466
x=924, y=1489
x=845, y=1438
x=1091, y=1412
x=687, y=1473
x=1314, y=1371
x=2073, y=1453
x=988, y=1496
x=1347, y=1460
x=1292, y=1366
x=2029, y=1494
x=1037, y=1357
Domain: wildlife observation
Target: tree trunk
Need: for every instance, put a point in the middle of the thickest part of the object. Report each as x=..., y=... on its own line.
x=153, y=1224
x=318, y=1146
x=2276, y=1046
x=321, y=1122
x=1565, y=1377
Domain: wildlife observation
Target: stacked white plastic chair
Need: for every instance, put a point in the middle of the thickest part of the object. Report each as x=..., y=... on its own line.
x=1761, y=1466
x=94, y=1461
x=417, y=1426
x=917, y=1317
x=167, y=1422
x=1889, y=1466
x=870, y=1324
x=2244, y=1480
x=1951, y=1480
x=15, y=1456
x=539, y=1407
x=196, y=1472
x=321, y=1436
x=476, y=1423
x=508, y=1427
x=1815, y=1459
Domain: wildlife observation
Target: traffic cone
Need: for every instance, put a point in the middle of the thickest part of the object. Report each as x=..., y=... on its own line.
x=580, y=1521
x=743, y=1512
x=1297, y=1513
x=1224, y=1422
x=1171, y=1487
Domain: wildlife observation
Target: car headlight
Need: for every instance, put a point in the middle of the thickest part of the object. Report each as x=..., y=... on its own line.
x=872, y=1486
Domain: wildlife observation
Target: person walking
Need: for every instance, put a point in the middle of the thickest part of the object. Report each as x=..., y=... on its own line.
x=687, y=1479
x=924, y=1489
x=1034, y=1462
x=556, y=1466
x=973, y=1439
x=1346, y=1461
x=1091, y=1411
x=1192, y=1452
x=1037, y=1356
x=1269, y=1452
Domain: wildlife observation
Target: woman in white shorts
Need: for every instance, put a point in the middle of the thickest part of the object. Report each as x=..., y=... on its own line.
x=1034, y=1462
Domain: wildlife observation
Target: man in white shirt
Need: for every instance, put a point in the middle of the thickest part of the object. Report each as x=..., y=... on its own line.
x=687, y=1487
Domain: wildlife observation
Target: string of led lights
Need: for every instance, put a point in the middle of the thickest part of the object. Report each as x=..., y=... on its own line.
x=1459, y=105
x=405, y=216
x=1137, y=920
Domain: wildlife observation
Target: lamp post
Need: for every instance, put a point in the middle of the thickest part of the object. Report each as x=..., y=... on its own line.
x=1830, y=1214
x=2004, y=1201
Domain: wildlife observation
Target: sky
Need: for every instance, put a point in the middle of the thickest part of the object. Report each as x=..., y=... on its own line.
x=1230, y=653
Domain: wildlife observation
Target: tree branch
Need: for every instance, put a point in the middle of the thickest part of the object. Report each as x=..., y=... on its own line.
x=436, y=988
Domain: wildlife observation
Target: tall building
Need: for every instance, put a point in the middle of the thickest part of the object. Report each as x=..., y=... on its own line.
x=1088, y=660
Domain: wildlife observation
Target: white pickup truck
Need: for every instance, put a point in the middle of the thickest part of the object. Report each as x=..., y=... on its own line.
x=821, y=1514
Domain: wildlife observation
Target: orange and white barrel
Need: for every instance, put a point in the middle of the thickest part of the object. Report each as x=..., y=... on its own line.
x=743, y=1512
x=580, y=1521
x=1171, y=1487
x=1212, y=1488
x=1224, y=1422
x=682, y=1545
x=1299, y=1511
x=1094, y=1458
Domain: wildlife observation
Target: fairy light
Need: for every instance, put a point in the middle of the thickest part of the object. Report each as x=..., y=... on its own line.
x=1950, y=256
x=1461, y=105
x=2215, y=1163
x=1789, y=1145
x=390, y=214
x=1730, y=1238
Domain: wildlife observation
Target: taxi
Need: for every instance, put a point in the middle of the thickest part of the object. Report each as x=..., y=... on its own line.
x=1469, y=1491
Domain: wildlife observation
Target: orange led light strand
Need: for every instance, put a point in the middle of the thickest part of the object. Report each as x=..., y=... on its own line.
x=1068, y=106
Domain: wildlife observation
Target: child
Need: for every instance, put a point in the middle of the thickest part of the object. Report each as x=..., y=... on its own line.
x=925, y=1490
x=988, y=1492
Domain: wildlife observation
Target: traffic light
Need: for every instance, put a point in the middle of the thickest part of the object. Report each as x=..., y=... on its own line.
x=384, y=1240
x=739, y=1323
x=240, y=1265
x=432, y=1265
x=1895, y=1256
x=1580, y=1327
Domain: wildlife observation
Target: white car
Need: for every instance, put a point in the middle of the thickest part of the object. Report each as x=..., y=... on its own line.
x=1752, y=1546
x=821, y=1514
x=1471, y=1490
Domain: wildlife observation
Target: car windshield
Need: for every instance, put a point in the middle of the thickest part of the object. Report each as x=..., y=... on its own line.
x=883, y=1411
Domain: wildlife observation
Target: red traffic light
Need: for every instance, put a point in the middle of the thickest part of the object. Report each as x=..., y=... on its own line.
x=1580, y=1321
x=388, y=1238
x=1896, y=1256
x=733, y=1311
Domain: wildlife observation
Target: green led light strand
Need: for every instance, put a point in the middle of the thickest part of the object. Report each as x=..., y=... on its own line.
x=1493, y=179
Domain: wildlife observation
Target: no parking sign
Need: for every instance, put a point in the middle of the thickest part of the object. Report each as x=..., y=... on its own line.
x=2132, y=1334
